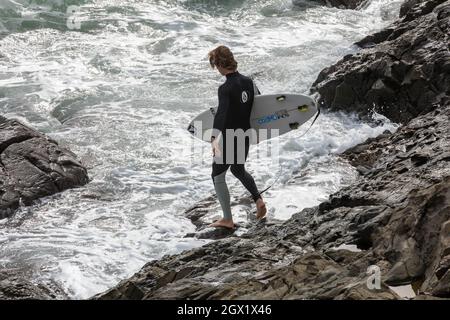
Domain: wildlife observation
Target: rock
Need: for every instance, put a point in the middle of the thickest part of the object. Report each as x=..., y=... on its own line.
x=343, y=4
x=310, y=276
x=402, y=71
x=313, y=275
x=437, y=280
x=428, y=297
x=203, y=213
x=397, y=213
x=415, y=9
x=14, y=285
x=407, y=6
x=443, y=286
x=212, y=233
x=33, y=166
x=408, y=237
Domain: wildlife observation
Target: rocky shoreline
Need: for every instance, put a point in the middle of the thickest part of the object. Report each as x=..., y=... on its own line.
x=401, y=72
x=393, y=221
x=391, y=225
x=397, y=214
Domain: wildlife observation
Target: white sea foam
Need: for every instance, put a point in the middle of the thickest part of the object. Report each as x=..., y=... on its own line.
x=120, y=92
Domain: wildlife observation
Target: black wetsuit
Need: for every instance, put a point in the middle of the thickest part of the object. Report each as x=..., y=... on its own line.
x=236, y=97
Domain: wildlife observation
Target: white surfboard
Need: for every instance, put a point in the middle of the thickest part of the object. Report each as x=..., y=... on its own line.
x=272, y=116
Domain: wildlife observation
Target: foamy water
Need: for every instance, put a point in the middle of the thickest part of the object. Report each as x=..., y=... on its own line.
x=120, y=92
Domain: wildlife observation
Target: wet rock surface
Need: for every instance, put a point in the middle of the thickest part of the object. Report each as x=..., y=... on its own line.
x=401, y=72
x=203, y=213
x=15, y=285
x=391, y=225
x=397, y=214
x=33, y=166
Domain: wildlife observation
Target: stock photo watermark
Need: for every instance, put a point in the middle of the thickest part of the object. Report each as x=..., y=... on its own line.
x=71, y=11
x=73, y=17
x=232, y=145
x=373, y=281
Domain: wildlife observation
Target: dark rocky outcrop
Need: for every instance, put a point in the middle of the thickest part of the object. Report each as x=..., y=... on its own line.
x=343, y=4
x=401, y=72
x=397, y=214
x=15, y=285
x=407, y=6
x=33, y=166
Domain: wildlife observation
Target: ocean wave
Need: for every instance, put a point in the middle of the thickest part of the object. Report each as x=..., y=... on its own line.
x=24, y=15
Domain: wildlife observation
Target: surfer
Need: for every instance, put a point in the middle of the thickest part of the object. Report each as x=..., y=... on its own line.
x=236, y=97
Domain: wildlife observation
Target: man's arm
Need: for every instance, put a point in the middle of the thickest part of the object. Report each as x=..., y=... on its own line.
x=221, y=114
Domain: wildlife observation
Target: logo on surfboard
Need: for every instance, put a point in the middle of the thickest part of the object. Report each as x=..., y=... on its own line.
x=282, y=114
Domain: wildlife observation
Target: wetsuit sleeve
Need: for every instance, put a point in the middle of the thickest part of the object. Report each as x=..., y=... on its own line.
x=221, y=114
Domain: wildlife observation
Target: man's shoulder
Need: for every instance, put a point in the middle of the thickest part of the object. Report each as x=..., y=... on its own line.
x=246, y=78
x=224, y=86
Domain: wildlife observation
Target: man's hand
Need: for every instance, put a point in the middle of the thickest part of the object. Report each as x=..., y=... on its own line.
x=215, y=148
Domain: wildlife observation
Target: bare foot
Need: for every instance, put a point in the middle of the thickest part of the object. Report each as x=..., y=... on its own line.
x=223, y=223
x=260, y=209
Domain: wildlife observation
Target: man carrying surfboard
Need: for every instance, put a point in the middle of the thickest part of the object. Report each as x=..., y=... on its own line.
x=236, y=97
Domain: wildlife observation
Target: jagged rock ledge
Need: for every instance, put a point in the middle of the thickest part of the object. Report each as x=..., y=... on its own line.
x=397, y=214
x=396, y=217
x=33, y=166
x=403, y=70
x=15, y=285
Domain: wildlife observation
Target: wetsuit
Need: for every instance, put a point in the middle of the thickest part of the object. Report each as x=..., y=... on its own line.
x=236, y=97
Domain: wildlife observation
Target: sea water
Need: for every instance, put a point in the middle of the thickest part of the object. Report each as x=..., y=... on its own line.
x=118, y=81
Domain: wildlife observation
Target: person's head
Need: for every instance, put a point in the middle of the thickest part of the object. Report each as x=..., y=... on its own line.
x=222, y=58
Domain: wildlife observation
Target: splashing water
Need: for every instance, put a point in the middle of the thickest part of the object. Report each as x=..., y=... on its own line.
x=119, y=91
